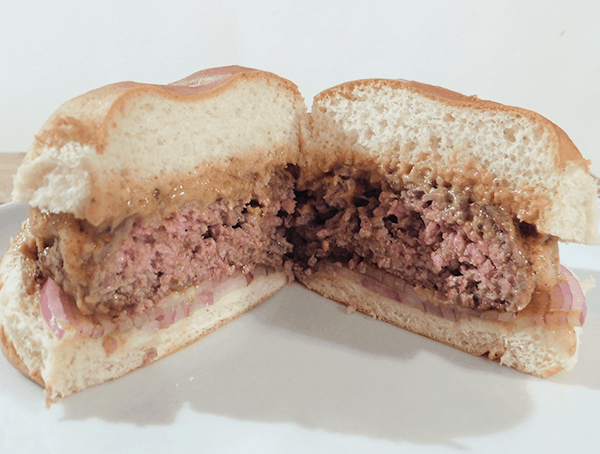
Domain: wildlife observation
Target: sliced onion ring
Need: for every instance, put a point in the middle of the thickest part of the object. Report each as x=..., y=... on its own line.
x=55, y=307
x=568, y=301
x=578, y=298
x=61, y=313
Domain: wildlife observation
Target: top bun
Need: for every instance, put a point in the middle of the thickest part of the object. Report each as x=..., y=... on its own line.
x=505, y=155
x=131, y=148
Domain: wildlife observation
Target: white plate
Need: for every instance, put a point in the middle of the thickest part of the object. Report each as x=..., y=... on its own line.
x=297, y=374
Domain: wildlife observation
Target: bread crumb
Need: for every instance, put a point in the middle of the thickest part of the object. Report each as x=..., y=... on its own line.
x=151, y=355
x=110, y=345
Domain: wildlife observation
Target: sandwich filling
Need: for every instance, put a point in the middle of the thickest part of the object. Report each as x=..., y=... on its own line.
x=456, y=251
x=140, y=262
x=459, y=251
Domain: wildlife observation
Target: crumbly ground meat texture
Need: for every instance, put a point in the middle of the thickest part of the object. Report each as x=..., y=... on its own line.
x=463, y=252
x=428, y=234
x=143, y=260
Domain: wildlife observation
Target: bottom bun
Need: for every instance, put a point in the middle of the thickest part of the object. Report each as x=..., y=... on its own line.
x=541, y=351
x=74, y=363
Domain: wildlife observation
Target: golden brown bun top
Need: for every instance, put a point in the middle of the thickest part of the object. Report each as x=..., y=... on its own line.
x=87, y=118
x=567, y=151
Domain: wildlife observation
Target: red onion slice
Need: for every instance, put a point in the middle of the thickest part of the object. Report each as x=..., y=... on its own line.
x=574, y=289
x=205, y=299
x=53, y=310
x=567, y=306
x=567, y=298
x=233, y=283
x=60, y=311
x=380, y=288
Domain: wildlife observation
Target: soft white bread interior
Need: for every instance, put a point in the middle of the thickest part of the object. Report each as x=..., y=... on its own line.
x=509, y=156
x=74, y=363
x=131, y=148
x=538, y=350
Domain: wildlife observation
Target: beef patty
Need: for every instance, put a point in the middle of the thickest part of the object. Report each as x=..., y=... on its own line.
x=462, y=251
x=428, y=234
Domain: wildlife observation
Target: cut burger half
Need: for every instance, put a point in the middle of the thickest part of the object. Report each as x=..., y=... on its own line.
x=156, y=215
x=441, y=214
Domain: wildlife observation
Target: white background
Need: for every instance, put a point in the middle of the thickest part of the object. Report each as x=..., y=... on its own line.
x=542, y=55
x=297, y=375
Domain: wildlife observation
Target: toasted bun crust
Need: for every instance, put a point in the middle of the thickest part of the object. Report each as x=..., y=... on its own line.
x=537, y=350
x=506, y=155
x=132, y=148
x=74, y=363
